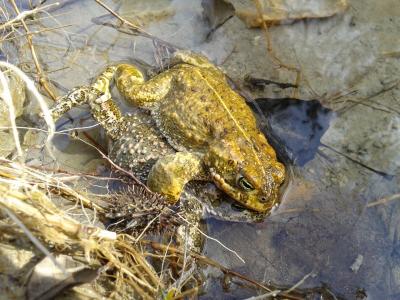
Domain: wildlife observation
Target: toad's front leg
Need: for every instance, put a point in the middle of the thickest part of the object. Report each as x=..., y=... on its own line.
x=170, y=173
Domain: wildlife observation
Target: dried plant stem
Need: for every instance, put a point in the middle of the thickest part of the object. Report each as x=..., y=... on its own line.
x=384, y=200
x=37, y=32
x=299, y=283
x=6, y=96
x=136, y=28
x=214, y=239
x=123, y=20
x=191, y=292
x=143, y=263
x=42, y=79
x=265, y=296
x=113, y=164
x=270, y=50
x=25, y=14
x=67, y=191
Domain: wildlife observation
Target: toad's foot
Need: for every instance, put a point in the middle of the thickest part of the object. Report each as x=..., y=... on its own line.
x=170, y=173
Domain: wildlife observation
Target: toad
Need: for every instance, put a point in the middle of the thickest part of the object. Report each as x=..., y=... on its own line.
x=202, y=130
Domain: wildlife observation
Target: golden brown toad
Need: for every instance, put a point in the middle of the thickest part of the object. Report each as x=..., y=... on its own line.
x=210, y=127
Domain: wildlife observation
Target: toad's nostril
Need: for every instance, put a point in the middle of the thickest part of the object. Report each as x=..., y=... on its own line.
x=263, y=199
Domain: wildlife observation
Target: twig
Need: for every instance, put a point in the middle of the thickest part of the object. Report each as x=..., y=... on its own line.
x=24, y=14
x=16, y=172
x=123, y=20
x=270, y=50
x=215, y=240
x=103, y=155
x=143, y=263
x=134, y=27
x=384, y=200
x=301, y=281
x=380, y=92
x=130, y=174
x=184, y=275
x=381, y=173
x=37, y=32
x=265, y=296
x=188, y=293
x=147, y=227
x=42, y=80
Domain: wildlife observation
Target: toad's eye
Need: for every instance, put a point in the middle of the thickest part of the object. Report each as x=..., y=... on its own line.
x=244, y=184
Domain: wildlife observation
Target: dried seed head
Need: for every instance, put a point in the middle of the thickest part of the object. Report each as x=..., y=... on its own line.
x=134, y=208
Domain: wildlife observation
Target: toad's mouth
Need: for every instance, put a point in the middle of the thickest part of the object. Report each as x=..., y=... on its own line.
x=234, y=193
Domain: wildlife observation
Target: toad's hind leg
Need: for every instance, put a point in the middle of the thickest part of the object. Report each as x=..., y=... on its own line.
x=98, y=96
x=170, y=173
x=132, y=86
x=77, y=96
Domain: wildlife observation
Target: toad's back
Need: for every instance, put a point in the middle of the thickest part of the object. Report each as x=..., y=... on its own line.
x=201, y=107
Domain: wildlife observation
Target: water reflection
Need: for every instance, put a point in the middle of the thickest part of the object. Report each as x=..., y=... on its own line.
x=295, y=127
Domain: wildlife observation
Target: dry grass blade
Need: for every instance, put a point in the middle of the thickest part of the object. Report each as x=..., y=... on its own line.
x=6, y=96
x=271, y=52
x=25, y=14
x=384, y=200
x=136, y=29
x=42, y=78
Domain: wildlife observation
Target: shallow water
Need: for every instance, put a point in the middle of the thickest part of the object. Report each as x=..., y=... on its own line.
x=342, y=159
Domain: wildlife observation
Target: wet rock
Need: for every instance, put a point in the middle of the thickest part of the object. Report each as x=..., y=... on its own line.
x=48, y=280
x=275, y=12
x=217, y=12
x=13, y=260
